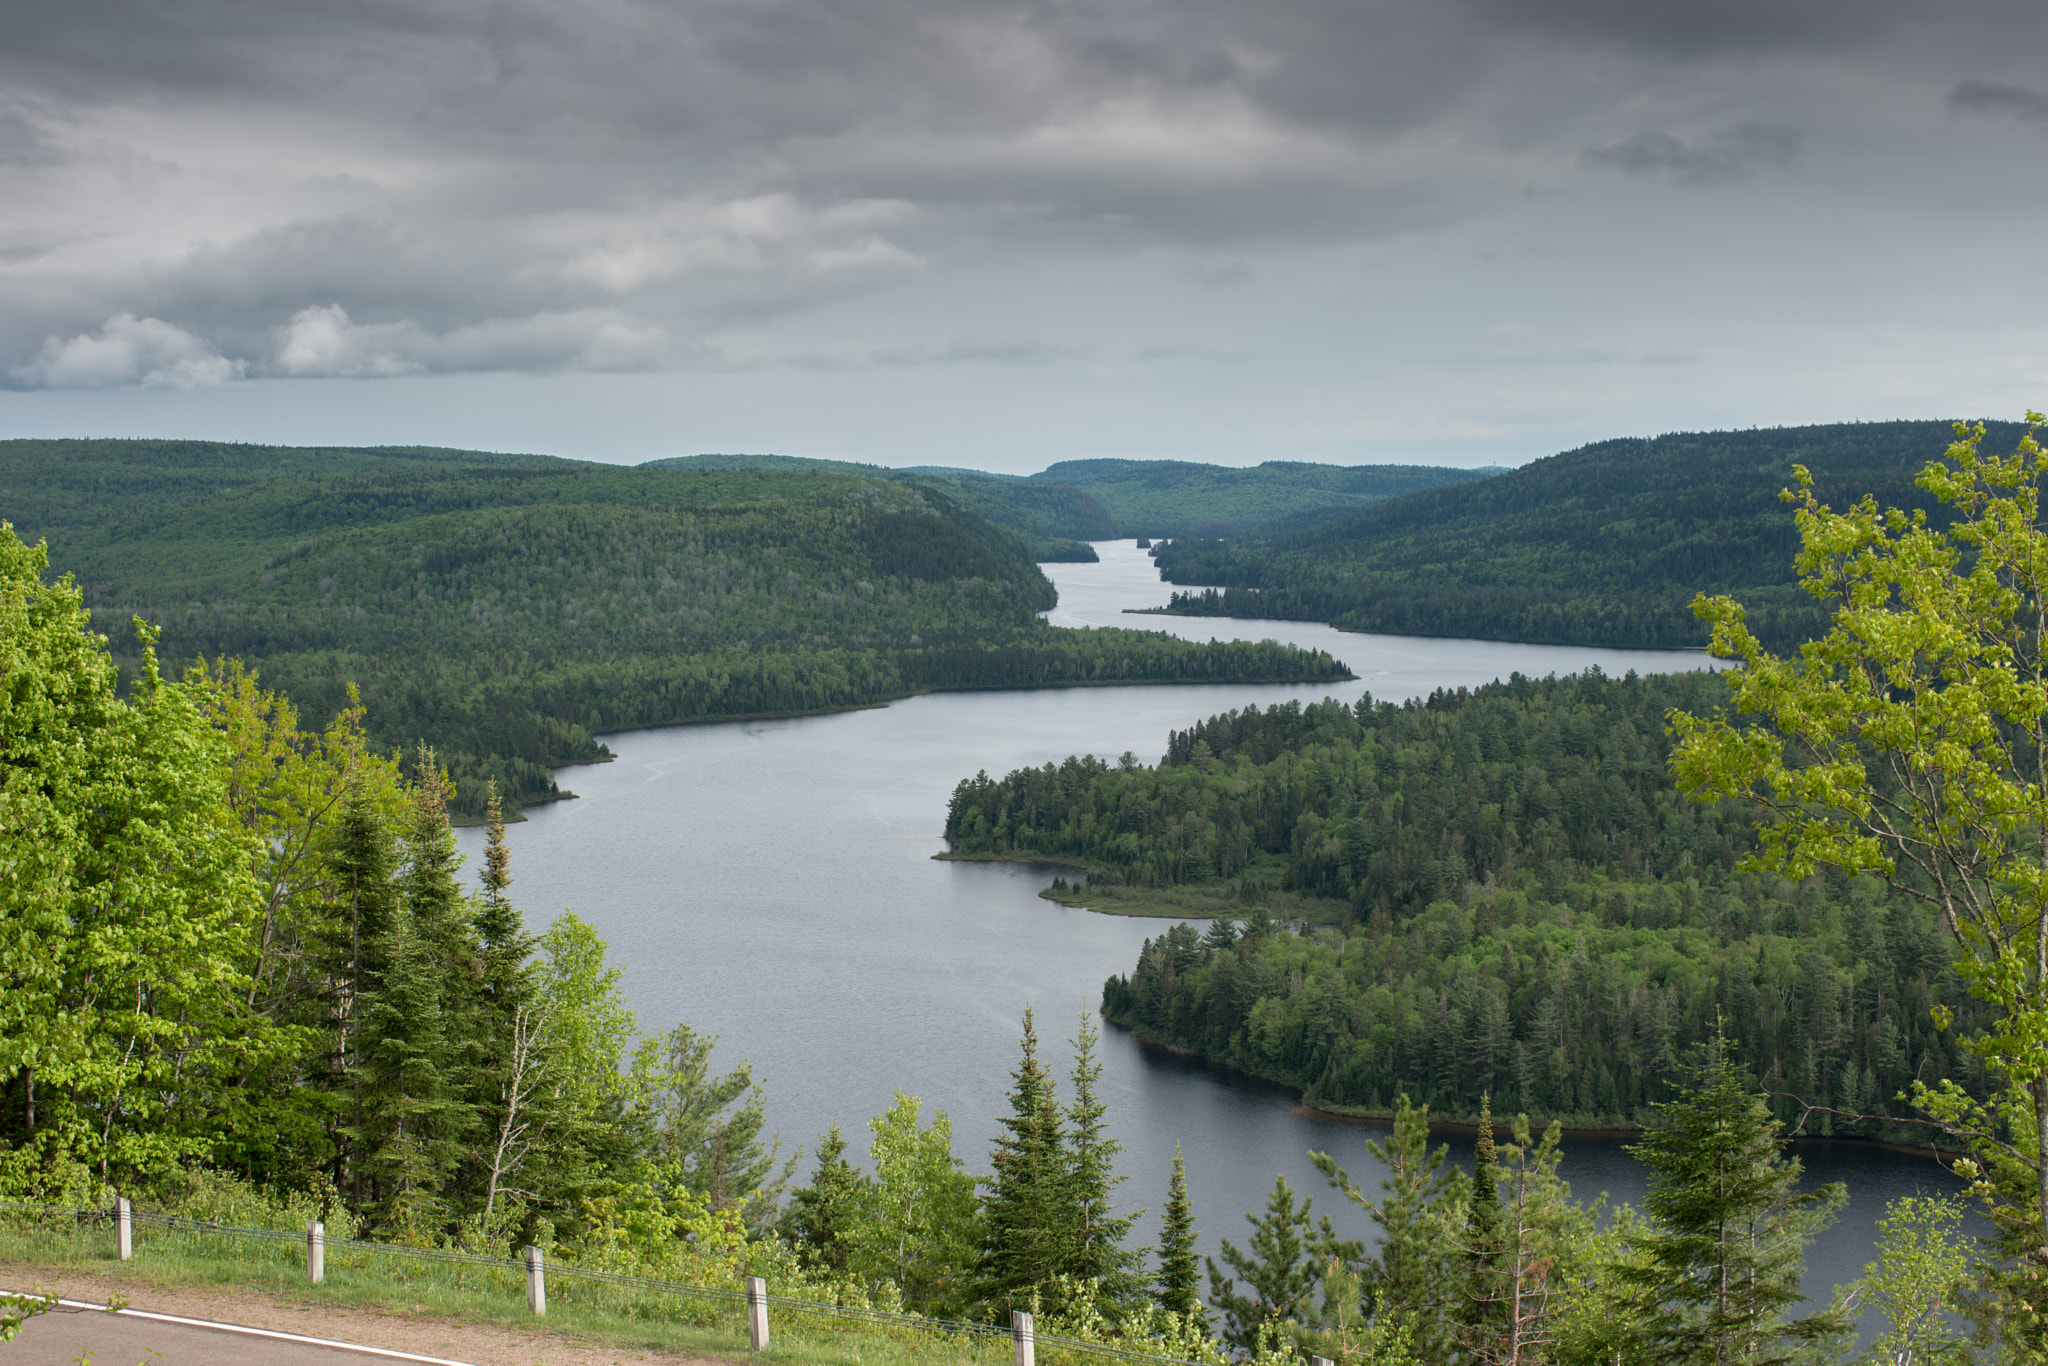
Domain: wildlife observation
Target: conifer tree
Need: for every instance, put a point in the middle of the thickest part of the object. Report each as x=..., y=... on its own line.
x=1097, y=1233
x=709, y=1128
x=1027, y=1186
x=499, y=932
x=360, y=868
x=509, y=1027
x=1728, y=1229
x=1528, y=1242
x=1482, y=1240
x=442, y=917
x=417, y=1060
x=1179, y=1291
x=1281, y=1267
x=1415, y=1274
x=820, y=1218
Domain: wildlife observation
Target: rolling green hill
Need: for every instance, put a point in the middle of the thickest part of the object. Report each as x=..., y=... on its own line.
x=1098, y=500
x=1605, y=545
x=1179, y=498
x=506, y=608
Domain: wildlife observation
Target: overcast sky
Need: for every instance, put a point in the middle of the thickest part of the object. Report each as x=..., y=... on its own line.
x=1003, y=234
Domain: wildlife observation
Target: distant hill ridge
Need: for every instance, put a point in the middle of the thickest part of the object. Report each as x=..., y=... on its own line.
x=506, y=609
x=1603, y=545
x=1104, y=499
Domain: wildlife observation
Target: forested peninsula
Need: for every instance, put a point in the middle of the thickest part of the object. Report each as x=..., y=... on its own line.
x=1604, y=545
x=504, y=609
x=1519, y=903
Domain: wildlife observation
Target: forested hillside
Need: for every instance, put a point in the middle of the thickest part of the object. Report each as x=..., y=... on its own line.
x=1605, y=545
x=1095, y=500
x=1182, y=498
x=505, y=609
x=242, y=986
x=1535, y=911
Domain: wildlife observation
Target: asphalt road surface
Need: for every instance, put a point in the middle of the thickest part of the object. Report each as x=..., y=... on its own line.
x=133, y=1338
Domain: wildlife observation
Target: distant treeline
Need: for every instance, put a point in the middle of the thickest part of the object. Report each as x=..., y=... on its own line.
x=505, y=609
x=1535, y=911
x=1605, y=545
x=1058, y=509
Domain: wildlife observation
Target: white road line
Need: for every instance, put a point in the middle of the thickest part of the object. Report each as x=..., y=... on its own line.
x=252, y=1332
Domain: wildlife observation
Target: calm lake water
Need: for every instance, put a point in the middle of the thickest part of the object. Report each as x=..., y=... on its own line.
x=772, y=883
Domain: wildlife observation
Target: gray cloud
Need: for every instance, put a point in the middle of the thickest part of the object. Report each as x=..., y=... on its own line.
x=1991, y=97
x=419, y=187
x=1719, y=158
x=127, y=350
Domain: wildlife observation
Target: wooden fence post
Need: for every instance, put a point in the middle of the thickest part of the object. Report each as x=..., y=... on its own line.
x=124, y=1228
x=757, y=1312
x=1020, y=1330
x=536, y=1282
x=316, y=1251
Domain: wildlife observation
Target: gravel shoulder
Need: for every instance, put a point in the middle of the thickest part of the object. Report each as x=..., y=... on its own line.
x=429, y=1335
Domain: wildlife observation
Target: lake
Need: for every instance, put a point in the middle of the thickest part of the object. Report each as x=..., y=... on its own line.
x=772, y=883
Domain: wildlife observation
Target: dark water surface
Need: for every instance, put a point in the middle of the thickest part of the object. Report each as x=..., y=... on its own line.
x=772, y=882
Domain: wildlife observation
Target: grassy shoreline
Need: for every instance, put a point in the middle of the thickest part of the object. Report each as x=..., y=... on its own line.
x=1187, y=901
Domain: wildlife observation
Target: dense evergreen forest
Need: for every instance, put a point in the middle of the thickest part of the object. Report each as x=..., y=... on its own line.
x=1534, y=911
x=1097, y=500
x=1604, y=545
x=241, y=982
x=505, y=608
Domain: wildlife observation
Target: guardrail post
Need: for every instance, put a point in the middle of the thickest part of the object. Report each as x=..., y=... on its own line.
x=316, y=1251
x=1020, y=1330
x=536, y=1282
x=757, y=1312
x=124, y=1228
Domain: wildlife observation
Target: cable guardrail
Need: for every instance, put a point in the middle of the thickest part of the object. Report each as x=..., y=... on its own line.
x=534, y=1268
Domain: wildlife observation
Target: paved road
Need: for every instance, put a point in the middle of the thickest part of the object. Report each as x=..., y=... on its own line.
x=137, y=1339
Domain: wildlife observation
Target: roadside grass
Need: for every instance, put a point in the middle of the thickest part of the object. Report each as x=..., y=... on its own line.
x=391, y=1283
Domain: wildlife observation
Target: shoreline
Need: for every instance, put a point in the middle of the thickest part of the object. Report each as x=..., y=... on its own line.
x=1359, y=1116
x=1189, y=901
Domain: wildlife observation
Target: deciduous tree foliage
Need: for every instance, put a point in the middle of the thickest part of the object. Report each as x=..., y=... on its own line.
x=128, y=898
x=1908, y=742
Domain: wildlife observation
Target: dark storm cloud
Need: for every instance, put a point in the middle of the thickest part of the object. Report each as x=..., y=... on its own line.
x=407, y=186
x=1719, y=158
x=1991, y=97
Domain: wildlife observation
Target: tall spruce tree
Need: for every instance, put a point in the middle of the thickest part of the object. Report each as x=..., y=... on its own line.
x=416, y=1064
x=1483, y=1241
x=1179, y=1289
x=360, y=868
x=499, y=932
x=1728, y=1231
x=1027, y=1185
x=1097, y=1232
x=509, y=1027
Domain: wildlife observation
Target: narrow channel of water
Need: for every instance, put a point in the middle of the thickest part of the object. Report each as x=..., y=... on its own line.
x=772, y=882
